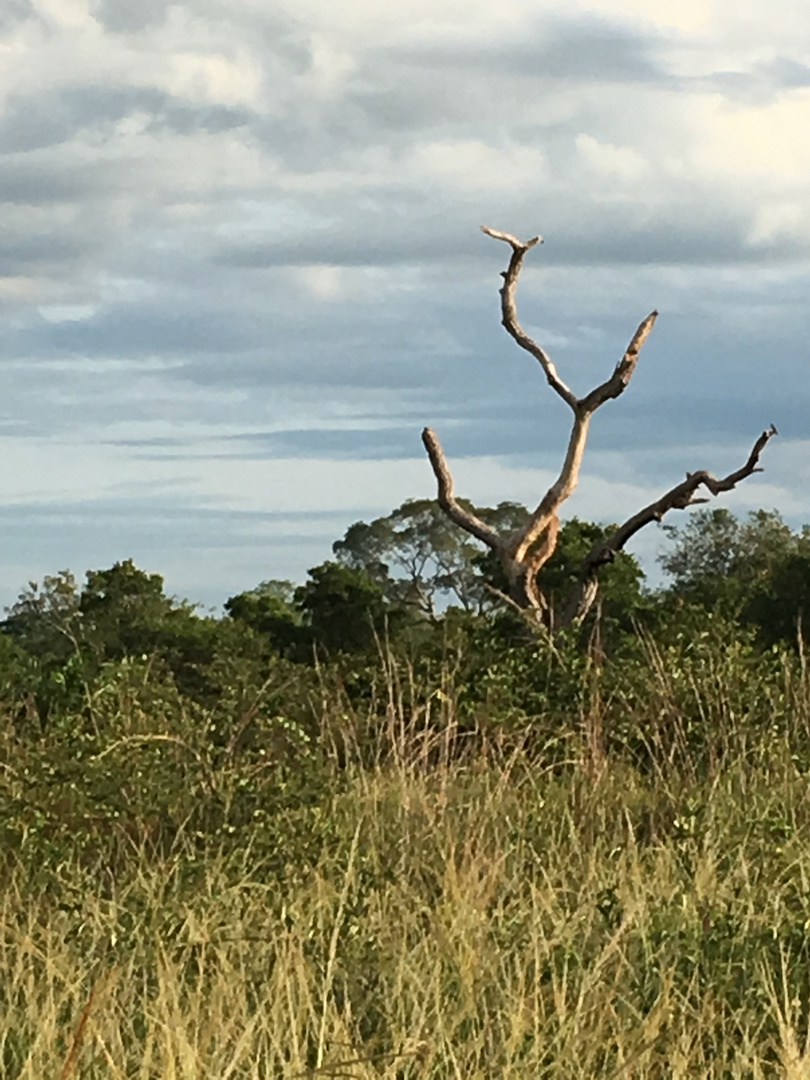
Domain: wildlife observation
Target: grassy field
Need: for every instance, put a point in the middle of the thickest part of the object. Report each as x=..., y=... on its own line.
x=477, y=906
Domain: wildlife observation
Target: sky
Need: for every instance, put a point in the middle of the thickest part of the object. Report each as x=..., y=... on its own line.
x=241, y=266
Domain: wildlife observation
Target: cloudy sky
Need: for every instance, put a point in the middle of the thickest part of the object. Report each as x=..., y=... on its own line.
x=241, y=265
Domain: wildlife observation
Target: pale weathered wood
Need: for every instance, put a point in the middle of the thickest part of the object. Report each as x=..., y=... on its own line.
x=509, y=316
x=677, y=498
x=447, y=500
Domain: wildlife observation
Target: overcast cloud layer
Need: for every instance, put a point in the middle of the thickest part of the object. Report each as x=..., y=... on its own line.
x=240, y=265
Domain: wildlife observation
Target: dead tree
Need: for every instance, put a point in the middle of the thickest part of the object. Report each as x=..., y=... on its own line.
x=524, y=552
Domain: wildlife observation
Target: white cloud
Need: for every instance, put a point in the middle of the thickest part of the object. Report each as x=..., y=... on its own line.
x=66, y=14
x=323, y=282
x=688, y=16
x=622, y=162
x=745, y=145
x=330, y=67
x=55, y=313
x=211, y=78
x=472, y=165
x=777, y=220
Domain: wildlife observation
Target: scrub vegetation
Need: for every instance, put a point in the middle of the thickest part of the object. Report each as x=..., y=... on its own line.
x=382, y=825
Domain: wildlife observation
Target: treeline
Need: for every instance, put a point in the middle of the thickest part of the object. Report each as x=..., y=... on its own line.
x=408, y=579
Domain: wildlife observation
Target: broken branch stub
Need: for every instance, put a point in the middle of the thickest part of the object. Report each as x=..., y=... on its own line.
x=524, y=552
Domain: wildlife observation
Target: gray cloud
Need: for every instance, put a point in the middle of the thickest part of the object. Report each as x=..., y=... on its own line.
x=33, y=121
x=584, y=48
x=25, y=253
x=788, y=73
x=28, y=183
x=714, y=234
x=15, y=12
x=119, y=16
x=762, y=84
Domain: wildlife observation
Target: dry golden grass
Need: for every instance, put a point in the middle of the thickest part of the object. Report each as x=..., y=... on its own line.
x=471, y=917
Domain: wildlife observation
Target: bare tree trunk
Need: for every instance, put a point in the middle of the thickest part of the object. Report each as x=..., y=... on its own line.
x=524, y=552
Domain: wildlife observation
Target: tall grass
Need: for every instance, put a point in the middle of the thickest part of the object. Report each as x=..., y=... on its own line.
x=478, y=906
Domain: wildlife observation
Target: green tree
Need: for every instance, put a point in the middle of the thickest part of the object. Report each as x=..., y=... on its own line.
x=120, y=612
x=718, y=559
x=271, y=611
x=756, y=570
x=123, y=610
x=46, y=620
x=45, y=625
x=620, y=582
x=342, y=607
x=420, y=558
x=780, y=607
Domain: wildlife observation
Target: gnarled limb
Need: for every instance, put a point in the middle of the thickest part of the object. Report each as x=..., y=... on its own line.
x=677, y=498
x=584, y=409
x=509, y=316
x=447, y=499
x=623, y=372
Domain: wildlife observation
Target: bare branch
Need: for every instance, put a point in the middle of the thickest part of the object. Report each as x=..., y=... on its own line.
x=509, y=316
x=524, y=538
x=623, y=372
x=751, y=466
x=513, y=240
x=677, y=498
x=447, y=499
x=543, y=552
x=581, y=602
x=533, y=558
x=569, y=474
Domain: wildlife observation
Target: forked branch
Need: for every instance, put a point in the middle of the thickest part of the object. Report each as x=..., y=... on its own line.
x=623, y=372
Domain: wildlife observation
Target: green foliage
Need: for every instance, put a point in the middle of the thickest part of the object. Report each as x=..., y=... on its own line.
x=718, y=559
x=338, y=609
x=121, y=612
x=418, y=556
x=619, y=583
x=122, y=608
x=781, y=606
x=343, y=608
x=271, y=611
x=757, y=570
x=142, y=761
x=45, y=620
